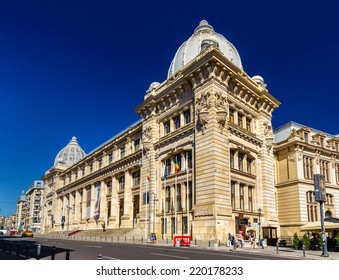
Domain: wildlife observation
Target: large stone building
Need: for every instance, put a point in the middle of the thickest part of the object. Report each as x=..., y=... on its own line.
x=301, y=152
x=201, y=155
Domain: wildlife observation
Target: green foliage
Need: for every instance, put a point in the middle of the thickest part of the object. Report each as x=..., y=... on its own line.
x=295, y=241
x=337, y=238
x=306, y=241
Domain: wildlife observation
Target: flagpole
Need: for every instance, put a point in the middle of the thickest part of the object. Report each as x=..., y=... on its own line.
x=188, y=214
x=175, y=207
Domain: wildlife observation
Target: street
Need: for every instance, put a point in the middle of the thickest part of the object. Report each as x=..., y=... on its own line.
x=88, y=250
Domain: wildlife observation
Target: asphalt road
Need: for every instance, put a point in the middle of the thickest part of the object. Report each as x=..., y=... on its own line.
x=87, y=250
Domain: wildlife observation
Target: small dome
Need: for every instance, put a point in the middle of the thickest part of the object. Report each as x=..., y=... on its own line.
x=260, y=80
x=204, y=36
x=70, y=154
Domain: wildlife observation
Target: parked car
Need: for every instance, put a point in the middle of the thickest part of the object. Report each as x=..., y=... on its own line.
x=27, y=233
x=12, y=232
x=282, y=243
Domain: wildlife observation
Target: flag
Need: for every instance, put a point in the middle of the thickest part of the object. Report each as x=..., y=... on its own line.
x=176, y=166
x=165, y=170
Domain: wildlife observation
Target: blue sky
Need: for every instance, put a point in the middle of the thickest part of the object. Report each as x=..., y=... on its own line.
x=79, y=68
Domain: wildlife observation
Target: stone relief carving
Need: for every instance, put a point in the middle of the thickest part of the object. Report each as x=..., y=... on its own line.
x=202, y=212
x=147, y=134
x=291, y=156
x=268, y=130
x=203, y=106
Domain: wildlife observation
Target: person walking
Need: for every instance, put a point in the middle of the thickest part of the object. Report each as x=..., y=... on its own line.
x=252, y=239
x=229, y=240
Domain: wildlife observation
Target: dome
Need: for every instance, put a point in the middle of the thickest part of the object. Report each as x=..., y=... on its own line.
x=260, y=80
x=203, y=36
x=70, y=154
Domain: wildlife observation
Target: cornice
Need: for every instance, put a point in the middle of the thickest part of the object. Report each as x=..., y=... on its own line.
x=244, y=134
x=173, y=136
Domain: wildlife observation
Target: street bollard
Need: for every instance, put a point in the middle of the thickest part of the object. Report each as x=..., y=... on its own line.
x=304, y=252
x=219, y=243
x=209, y=243
x=99, y=257
x=27, y=251
x=53, y=253
x=142, y=240
x=67, y=254
x=277, y=246
x=17, y=249
x=125, y=239
x=10, y=247
x=38, y=252
x=195, y=241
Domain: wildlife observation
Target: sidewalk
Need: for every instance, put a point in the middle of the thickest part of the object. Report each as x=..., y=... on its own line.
x=283, y=251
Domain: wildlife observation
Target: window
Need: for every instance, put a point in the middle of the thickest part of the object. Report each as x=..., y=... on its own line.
x=249, y=165
x=91, y=168
x=109, y=187
x=122, y=152
x=232, y=152
x=168, y=197
x=146, y=198
x=337, y=173
x=179, y=207
x=233, y=195
x=167, y=127
x=312, y=212
x=121, y=183
x=308, y=167
x=177, y=162
x=324, y=169
x=100, y=163
x=136, y=145
x=336, y=146
x=168, y=166
x=110, y=158
x=82, y=172
x=163, y=225
x=176, y=121
x=241, y=196
x=184, y=225
x=189, y=160
x=248, y=124
x=187, y=116
x=322, y=142
x=240, y=161
x=136, y=178
x=306, y=137
x=232, y=115
x=240, y=116
x=250, y=198
x=190, y=205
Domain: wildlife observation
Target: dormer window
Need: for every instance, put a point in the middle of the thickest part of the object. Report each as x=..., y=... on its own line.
x=306, y=137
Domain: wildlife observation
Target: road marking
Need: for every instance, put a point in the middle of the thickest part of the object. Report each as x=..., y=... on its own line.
x=171, y=256
x=93, y=246
x=110, y=258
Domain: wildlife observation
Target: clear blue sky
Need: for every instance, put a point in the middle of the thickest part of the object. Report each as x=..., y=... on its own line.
x=79, y=68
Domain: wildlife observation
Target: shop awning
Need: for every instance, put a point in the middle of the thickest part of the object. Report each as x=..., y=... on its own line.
x=329, y=224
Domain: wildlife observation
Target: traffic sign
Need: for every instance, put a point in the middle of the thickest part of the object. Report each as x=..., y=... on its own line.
x=63, y=219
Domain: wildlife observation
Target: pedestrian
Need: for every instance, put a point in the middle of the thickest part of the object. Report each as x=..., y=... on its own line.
x=252, y=240
x=229, y=240
x=240, y=240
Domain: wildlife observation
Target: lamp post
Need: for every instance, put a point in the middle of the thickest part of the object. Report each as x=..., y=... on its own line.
x=260, y=242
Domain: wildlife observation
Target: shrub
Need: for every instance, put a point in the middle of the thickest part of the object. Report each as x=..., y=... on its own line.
x=295, y=241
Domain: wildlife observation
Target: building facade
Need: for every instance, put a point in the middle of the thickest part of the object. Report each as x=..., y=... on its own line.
x=300, y=153
x=199, y=162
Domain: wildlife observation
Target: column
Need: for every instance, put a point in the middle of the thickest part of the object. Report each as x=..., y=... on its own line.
x=103, y=202
x=126, y=219
x=114, y=204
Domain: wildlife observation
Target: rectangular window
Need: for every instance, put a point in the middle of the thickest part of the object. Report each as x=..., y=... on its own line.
x=250, y=198
x=163, y=225
x=190, y=204
x=231, y=115
x=82, y=172
x=110, y=158
x=168, y=199
x=306, y=137
x=233, y=195
x=249, y=165
x=145, y=197
x=167, y=127
x=189, y=160
x=91, y=168
x=121, y=183
x=184, y=225
x=324, y=169
x=109, y=187
x=177, y=162
x=308, y=167
x=187, y=116
x=232, y=152
x=168, y=166
x=176, y=122
x=241, y=196
x=100, y=163
x=248, y=124
x=137, y=145
x=136, y=178
x=88, y=198
x=122, y=152
x=322, y=142
x=240, y=116
x=240, y=161
x=179, y=207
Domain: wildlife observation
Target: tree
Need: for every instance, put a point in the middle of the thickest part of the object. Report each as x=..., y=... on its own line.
x=306, y=241
x=295, y=241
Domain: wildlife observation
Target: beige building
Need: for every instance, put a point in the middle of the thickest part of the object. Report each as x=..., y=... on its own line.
x=21, y=212
x=202, y=153
x=301, y=152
